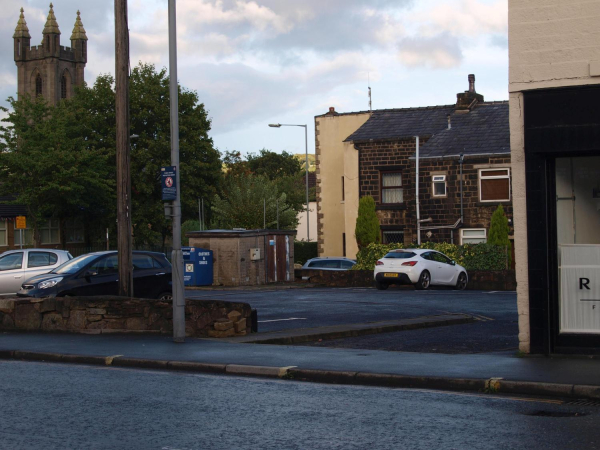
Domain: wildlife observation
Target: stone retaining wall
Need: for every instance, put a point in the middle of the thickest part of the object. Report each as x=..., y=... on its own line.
x=96, y=315
x=496, y=280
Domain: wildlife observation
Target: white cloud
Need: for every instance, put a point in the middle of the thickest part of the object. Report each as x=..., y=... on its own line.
x=439, y=52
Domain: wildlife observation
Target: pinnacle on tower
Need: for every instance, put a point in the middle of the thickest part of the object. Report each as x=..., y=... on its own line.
x=22, y=31
x=51, y=26
x=78, y=30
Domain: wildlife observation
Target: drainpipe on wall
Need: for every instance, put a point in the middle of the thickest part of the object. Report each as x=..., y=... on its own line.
x=417, y=193
x=460, y=161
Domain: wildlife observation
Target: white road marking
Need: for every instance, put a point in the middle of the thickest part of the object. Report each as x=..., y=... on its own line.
x=282, y=320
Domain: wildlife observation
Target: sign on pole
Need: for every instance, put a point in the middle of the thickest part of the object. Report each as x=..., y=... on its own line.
x=21, y=223
x=168, y=176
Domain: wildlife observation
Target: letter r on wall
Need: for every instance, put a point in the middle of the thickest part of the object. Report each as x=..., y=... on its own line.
x=583, y=283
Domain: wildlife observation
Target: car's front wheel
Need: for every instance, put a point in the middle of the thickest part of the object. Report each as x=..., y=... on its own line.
x=424, y=281
x=461, y=282
x=381, y=286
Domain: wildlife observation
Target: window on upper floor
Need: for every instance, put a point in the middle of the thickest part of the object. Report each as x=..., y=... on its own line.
x=438, y=185
x=38, y=84
x=391, y=188
x=494, y=185
x=63, y=87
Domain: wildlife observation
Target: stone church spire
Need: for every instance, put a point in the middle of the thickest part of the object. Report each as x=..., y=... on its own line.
x=78, y=30
x=22, y=31
x=51, y=26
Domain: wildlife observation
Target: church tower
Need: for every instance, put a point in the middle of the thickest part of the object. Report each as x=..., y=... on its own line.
x=49, y=70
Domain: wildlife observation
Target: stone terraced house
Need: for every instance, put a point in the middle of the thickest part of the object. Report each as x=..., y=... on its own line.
x=378, y=158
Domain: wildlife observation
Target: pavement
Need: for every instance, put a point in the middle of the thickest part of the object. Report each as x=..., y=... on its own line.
x=505, y=373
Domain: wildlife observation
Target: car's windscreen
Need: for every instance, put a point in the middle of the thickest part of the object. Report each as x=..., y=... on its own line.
x=400, y=255
x=75, y=264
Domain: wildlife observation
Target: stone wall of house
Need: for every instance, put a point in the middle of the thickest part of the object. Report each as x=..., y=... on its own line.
x=378, y=157
x=99, y=315
x=497, y=280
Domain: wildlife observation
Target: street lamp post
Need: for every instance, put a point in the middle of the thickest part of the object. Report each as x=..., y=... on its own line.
x=279, y=125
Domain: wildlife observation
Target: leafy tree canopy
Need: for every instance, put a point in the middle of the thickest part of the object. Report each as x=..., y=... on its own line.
x=243, y=201
x=70, y=151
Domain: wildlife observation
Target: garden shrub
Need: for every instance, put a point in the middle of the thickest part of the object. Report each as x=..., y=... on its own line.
x=303, y=251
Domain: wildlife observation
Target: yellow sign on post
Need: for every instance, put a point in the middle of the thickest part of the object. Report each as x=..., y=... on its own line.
x=21, y=223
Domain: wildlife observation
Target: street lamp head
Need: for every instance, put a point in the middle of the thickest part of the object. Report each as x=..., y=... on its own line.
x=275, y=125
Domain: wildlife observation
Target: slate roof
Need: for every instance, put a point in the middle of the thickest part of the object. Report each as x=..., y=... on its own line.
x=403, y=123
x=8, y=211
x=484, y=130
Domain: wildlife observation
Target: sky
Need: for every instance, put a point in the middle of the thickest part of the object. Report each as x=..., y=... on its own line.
x=286, y=61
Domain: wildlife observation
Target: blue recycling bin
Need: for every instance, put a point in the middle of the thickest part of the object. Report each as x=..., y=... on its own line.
x=197, y=266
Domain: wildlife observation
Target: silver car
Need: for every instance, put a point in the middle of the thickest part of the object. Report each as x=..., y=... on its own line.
x=17, y=266
x=329, y=263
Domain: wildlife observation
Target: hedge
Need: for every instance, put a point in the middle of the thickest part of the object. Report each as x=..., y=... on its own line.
x=303, y=251
x=470, y=256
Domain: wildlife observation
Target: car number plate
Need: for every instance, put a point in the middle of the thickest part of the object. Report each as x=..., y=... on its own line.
x=393, y=275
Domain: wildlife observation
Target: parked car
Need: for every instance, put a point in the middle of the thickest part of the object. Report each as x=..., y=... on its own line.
x=17, y=266
x=329, y=263
x=98, y=274
x=420, y=267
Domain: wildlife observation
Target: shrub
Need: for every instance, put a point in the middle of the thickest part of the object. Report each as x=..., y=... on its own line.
x=367, y=223
x=303, y=251
x=499, y=231
x=471, y=256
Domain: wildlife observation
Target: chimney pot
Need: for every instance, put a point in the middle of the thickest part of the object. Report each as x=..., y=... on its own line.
x=471, y=83
x=331, y=109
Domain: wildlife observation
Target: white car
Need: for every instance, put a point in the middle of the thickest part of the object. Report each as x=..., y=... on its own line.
x=17, y=266
x=420, y=267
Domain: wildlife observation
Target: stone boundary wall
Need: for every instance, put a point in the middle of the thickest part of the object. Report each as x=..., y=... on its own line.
x=496, y=280
x=104, y=314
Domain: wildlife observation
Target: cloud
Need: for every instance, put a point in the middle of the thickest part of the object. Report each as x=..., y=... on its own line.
x=438, y=52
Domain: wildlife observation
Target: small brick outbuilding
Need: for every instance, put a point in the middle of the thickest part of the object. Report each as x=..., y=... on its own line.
x=248, y=257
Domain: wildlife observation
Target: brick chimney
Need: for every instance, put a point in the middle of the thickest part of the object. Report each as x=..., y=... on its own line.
x=332, y=111
x=465, y=101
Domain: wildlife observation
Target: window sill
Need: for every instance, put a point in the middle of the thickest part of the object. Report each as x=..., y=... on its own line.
x=390, y=207
x=493, y=202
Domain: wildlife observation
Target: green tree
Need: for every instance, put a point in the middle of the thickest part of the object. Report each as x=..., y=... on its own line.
x=367, y=223
x=241, y=205
x=499, y=231
x=46, y=164
x=274, y=165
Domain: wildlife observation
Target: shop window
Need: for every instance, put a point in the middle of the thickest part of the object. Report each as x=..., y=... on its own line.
x=494, y=185
x=438, y=185
x=473, y=235
x=3, y=233
x=392, y=237
x=74, y=231
x=50, y=232
x=391, y=188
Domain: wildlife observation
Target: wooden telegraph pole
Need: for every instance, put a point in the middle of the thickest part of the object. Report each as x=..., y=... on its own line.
x=124, y=237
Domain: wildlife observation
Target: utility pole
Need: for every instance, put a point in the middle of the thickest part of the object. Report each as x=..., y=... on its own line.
x=177, y=255
x=124, y=238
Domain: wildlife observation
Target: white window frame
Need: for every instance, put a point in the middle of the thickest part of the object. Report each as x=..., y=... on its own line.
x=399, y=187
x=494, y=177
x=462, y=230
x=4, y=227
x=48, y=226
x=436, y=179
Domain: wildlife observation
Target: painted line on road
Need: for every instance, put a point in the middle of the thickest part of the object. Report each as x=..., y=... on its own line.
x=282, y=320
x=501, y=292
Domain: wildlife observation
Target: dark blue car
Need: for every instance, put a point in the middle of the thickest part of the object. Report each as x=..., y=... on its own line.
x=98, y=274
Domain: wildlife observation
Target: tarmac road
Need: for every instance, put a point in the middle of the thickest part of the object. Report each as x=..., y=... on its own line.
x=285, y=309
x=52, y=406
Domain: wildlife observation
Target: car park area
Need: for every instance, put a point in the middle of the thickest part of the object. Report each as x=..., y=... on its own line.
x=494, y=329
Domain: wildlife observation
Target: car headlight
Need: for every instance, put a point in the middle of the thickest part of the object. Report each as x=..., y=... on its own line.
x=49, y=283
